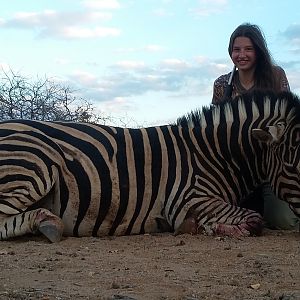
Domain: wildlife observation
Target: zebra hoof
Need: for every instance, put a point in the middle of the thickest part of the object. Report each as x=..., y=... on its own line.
x=53, y=232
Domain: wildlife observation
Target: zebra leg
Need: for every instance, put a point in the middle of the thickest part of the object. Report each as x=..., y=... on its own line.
x=250, y=226
x=220, y=218
x=38, y=220
x=231, y=221
x=189, y=225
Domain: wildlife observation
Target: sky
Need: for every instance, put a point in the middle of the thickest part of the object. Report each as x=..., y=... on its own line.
x=141, y=62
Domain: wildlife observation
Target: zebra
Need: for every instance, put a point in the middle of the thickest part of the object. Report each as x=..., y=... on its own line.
x=79, y=179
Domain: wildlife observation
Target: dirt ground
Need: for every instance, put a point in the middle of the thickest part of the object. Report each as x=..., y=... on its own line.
x=153, y=267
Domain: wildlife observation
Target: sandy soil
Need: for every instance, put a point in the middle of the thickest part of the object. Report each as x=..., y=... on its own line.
x=153, y=267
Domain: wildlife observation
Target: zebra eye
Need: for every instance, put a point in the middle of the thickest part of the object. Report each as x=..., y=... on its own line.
x=288, y=170
x=291, y=169
x=281, y=124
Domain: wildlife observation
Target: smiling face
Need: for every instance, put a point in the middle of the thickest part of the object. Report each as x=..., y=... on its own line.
x=243, y=54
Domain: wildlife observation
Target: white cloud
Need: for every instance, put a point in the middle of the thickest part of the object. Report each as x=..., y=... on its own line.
x=210, y=7
x=87, y=33
x=293, y=77
x=220, y=67
x=292, y=35
x=147, y=48
x=201, y=59
x=153, y=48
x=134, y=78
x=292, y=31
x=118, y=105
x=129, y=65
x=162, y=12
x=54, y=18
x=50, y=23
x=85, y=78
x=102, y=4
x=175, y=63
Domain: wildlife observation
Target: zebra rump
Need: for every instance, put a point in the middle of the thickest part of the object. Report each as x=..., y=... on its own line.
x=78, y=179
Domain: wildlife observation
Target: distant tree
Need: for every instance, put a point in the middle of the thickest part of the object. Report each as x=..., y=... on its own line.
x=42, y=99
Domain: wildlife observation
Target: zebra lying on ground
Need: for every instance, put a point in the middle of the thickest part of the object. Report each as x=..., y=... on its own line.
x=81, y=179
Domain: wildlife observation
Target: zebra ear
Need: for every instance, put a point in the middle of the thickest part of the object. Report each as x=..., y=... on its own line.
x=277, y=130
x=273, y=133
x=262, y=135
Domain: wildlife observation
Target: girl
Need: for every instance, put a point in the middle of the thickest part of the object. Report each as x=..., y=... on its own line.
x=254, y=70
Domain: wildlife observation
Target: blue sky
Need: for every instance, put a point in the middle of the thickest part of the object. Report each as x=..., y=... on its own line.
x=144, y=62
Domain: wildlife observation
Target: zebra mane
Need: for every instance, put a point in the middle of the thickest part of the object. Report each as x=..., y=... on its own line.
x=257, y=102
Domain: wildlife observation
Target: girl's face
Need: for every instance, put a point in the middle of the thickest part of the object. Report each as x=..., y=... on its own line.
x=243, y=54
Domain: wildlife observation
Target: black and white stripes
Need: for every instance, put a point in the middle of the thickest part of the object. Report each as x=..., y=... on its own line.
x=100, y=180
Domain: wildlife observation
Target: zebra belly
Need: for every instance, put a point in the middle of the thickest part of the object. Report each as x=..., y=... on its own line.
x=112, y=223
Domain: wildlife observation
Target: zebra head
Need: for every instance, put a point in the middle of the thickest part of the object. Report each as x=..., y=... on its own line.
x=282, y=140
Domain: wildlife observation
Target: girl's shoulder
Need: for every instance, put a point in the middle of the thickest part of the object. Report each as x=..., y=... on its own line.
x=281, y=79
x=222, y=80
x=219, y=88
x=278, y=70
x=279, y=73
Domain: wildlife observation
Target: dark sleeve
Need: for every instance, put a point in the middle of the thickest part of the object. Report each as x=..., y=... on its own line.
x=282, y=80
x=284, y=83
x=219, y=88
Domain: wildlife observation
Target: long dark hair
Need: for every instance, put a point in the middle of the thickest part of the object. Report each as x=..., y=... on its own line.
x=265, y=68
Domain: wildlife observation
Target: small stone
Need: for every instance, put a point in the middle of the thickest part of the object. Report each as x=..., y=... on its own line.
x=114, y=285
x=181, y=243
x=255, y=286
